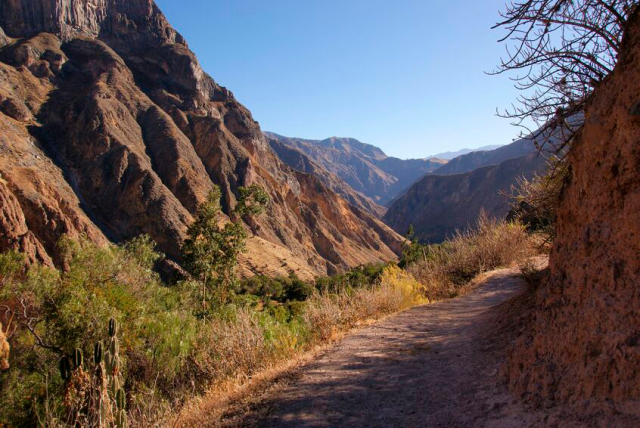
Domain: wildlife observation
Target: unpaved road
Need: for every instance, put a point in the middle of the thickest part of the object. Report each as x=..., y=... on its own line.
x=433, y=365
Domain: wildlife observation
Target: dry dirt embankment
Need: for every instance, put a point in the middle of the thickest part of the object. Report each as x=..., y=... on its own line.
x=433, y=365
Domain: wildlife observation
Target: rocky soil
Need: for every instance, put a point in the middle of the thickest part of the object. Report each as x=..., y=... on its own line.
x=583, y=346
x=110, y=128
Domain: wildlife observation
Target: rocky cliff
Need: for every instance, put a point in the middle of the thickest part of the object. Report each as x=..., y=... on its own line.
x=366, y=168
x=438, y=205
x=583, y=346
x=110, y=128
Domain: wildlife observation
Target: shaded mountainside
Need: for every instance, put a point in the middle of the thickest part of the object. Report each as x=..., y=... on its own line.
x=366, y=168
x=583, y=346
x=478, y=159
x=438, y=205
x=110, y=128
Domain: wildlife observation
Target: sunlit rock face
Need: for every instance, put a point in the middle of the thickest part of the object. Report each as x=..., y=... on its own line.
x=584, y=344
x=110, y=128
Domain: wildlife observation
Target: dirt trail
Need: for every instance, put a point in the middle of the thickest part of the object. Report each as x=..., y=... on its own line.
x=433, y=365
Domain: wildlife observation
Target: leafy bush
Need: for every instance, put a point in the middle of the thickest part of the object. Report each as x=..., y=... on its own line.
x=53, y=313
x=210, y=252
x=361, y=276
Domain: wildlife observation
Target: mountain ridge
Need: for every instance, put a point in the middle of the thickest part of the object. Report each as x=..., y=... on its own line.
x=112, y=129
x=366, y=168
x=452, y=197
x=454, y=154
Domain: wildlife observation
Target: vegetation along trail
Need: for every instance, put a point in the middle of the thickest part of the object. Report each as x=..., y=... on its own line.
x=433, y=365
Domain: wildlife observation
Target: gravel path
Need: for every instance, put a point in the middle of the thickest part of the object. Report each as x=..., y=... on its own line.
x=428, y=366
x=431, y=366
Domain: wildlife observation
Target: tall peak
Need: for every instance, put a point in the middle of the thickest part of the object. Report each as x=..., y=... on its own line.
x=105, y=19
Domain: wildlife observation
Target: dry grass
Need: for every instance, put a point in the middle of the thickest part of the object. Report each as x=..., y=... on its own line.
x=249, y=353
x=491, y=244
x=396, y=290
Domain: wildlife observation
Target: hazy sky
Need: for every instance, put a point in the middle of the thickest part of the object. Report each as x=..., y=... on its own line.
x=404, y=75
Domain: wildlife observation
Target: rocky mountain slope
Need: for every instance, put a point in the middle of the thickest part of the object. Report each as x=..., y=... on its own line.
x=110, y=128
x=478, y=159
x=366, y=168
x=438, y=205
x=583, y=346
x=299, y=161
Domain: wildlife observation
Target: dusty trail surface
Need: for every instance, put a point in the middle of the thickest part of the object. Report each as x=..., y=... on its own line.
x=433, y=365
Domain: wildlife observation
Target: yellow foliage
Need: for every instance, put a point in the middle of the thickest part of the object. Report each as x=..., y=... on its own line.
x=405, y=282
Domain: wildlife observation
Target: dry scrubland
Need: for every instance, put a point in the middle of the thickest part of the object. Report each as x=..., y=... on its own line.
x=169, y=353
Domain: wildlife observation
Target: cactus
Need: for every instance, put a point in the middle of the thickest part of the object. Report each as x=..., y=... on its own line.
x=113, y=327
x=97, y=353
x=121, y=399
x=112, y=357
x=121, y=419
x=96, y=396
x=65, y=367
x=77, y=358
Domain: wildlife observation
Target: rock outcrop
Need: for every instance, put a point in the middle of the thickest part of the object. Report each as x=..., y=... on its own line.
x=366, y=168
x=583, y=346
x=439, y=205
x=110, y=128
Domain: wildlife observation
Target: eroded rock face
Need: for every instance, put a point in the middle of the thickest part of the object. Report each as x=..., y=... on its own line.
x=110, y=128
x=584, y=345
x=299, y=161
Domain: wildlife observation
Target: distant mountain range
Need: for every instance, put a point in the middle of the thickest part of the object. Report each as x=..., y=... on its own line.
x=451, y=197
x=366, y=168
x=451, y=155
x=437, y=196
x=478, y=159
x=438, y=205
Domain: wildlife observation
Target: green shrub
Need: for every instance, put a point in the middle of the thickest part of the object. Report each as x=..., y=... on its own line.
x=54, y=313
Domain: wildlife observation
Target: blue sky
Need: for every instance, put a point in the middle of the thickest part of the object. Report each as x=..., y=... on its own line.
x=404, y=75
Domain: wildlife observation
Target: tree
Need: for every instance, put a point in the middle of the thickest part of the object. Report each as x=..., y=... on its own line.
x=210, y=252
x=561, y=50
x=412, y=250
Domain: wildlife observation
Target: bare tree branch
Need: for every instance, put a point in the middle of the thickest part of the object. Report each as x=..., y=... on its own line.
x=562, y=49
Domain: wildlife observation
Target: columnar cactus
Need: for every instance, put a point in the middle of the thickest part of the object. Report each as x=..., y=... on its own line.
x=77, y=358
x=97, y=353
x=95, y=398
x=65, y=368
